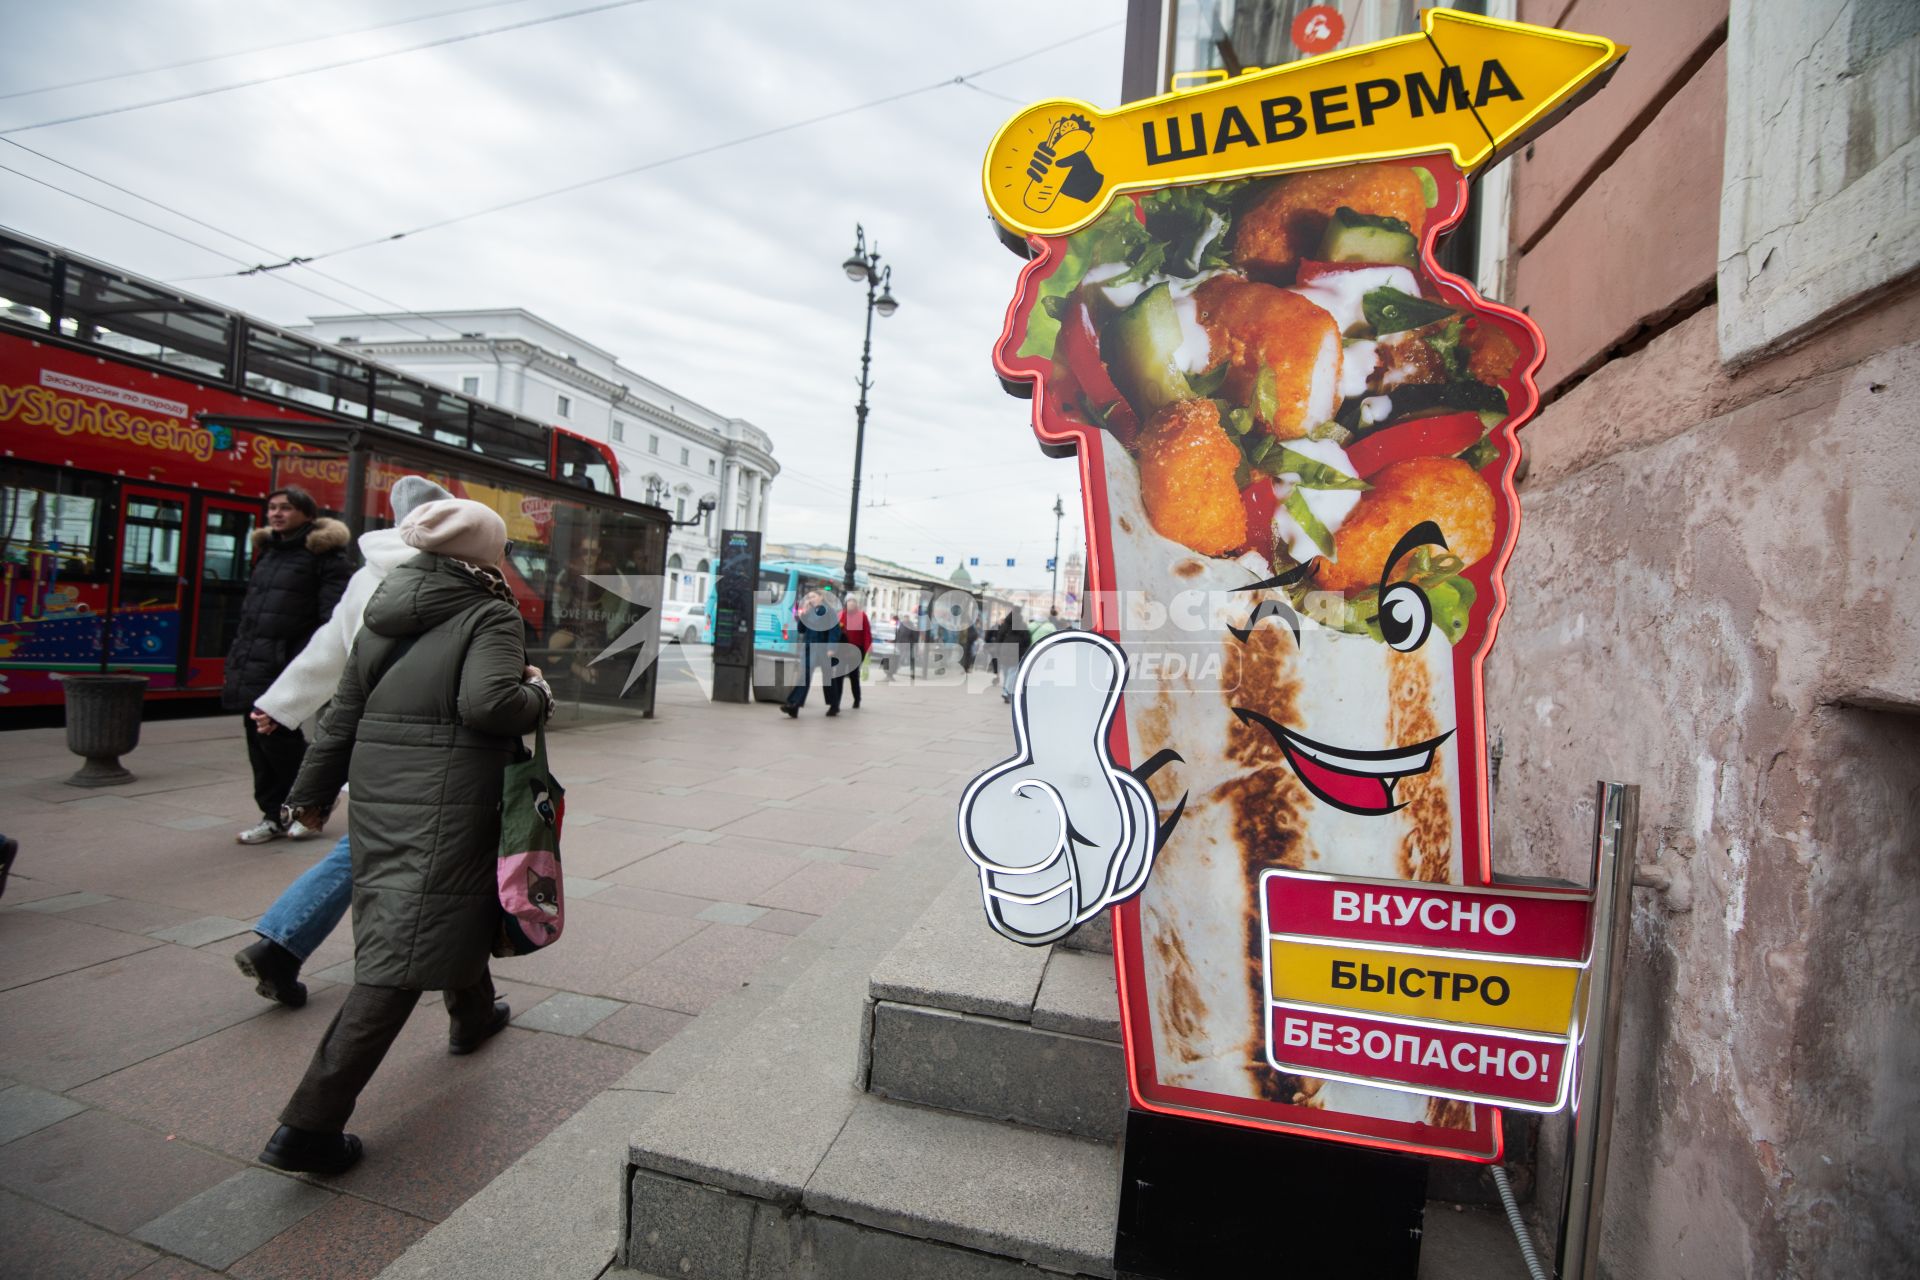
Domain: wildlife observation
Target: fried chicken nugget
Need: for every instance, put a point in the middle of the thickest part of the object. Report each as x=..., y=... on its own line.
x=1286, y=223
x=1444, y=490
x=1249, y=324
x=1187, y=463
x=1491, y=354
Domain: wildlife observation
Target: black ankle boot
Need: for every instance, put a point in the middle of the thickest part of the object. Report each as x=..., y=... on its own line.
x=460, y=1045
x=275, y=971
x=304, y=1151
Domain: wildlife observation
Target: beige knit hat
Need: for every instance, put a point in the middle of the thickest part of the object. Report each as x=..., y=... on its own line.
x=456, y=527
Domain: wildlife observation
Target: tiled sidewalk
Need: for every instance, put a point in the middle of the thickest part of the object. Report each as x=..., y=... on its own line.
x=139, y=1074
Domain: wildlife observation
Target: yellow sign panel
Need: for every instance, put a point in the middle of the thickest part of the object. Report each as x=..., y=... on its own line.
x=1445, y=988
x=1470, y=85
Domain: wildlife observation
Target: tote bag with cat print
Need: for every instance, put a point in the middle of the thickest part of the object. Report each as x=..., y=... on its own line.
x=531, y=808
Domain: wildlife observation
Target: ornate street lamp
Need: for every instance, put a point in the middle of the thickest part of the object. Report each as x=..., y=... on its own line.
x=864, y=265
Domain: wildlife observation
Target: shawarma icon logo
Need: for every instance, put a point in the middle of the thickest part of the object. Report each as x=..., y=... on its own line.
x=1061, y=166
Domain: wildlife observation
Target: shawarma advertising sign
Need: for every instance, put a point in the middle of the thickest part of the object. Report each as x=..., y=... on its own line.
x=1296, y=442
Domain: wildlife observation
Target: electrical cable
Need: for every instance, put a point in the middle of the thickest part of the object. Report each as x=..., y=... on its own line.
x=968, y=84
x=696, y=152
x=151, y=226
x=231, y=235
x=306, y=261
x=327, y=66
x=219, y=253
x=258, y=48
x=1520, y=1232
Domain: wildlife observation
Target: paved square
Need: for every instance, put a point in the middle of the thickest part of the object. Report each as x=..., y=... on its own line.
x=140, y=1074
x=567, y=1014
x=224, y=1223
x=25, y=1109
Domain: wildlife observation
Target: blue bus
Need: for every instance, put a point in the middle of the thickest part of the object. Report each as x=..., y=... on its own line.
x=776, y=632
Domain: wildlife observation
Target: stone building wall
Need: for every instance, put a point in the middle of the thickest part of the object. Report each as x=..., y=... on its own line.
x=1716, y=595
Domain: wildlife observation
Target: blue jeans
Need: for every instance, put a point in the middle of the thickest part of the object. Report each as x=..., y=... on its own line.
x=301, y=918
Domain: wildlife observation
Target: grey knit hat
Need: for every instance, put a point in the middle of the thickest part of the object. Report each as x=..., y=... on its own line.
x=410, y=491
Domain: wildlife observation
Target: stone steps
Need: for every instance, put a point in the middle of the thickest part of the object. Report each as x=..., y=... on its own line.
x=968, y=1022
x=774, y=1162
x=943, y=1107
x=902, y=1193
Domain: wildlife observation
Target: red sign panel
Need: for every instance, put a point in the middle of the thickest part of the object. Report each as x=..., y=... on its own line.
x=1366, y=977
x=1508, y=922
x=1460, y=1062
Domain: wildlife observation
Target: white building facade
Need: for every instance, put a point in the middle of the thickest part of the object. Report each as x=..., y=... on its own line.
x=673, y=452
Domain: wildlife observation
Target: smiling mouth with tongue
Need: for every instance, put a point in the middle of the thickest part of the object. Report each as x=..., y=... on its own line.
x=1357, y=781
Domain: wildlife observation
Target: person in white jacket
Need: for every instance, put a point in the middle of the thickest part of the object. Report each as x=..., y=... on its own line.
x=302, y=917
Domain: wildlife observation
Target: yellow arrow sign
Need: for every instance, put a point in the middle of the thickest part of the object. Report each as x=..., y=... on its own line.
x=1475, y=86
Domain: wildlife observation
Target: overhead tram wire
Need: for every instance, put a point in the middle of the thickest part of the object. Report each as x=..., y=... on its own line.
x=258, y=48
x=968, y=84
x=255, y=269
x=218, y=253
x=306, y=261
x=697, y=152
x=441, y=42
x=841, y=491
x=120, y=213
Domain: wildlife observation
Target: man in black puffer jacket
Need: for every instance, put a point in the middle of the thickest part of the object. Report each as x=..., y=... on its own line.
x=300, y=570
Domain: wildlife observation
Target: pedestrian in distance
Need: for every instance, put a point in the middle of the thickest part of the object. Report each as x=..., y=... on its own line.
x=1011, y=642
x=907, y=641
x=424, y=723
x=300, y=571
x=9, y=850
x=857, y=631
x=819, y=628
x=301, y=918
x=969, y=642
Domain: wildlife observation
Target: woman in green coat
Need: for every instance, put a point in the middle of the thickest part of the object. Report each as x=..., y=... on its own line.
x=424, y=723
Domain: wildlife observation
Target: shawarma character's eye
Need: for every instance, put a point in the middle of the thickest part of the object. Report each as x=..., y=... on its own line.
x=1405, y=617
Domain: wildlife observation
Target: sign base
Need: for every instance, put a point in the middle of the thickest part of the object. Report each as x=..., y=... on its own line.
x=1200, y=1200
x=733, y=684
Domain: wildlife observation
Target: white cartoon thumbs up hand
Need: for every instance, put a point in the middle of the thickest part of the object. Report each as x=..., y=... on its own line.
x=1059, y=832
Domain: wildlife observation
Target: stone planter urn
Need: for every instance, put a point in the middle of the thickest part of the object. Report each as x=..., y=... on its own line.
x=103, y=724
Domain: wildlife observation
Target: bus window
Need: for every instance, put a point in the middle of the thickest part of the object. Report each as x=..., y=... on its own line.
x=500, y=435
x=145, y=322
x=145, y=629
x=224, y=569
x=50, y=528
x=582, y=465
x=829, y=588
x=773, y=587
x=306, y=373
x=400, y=403
x=26, y=282
x=150, y=542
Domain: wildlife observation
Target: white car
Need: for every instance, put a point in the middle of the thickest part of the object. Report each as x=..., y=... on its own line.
x=685, y=623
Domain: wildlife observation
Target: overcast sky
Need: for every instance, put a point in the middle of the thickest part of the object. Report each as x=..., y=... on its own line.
x=718, y=276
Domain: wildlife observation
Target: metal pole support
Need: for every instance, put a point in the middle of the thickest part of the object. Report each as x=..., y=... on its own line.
x=1616, y=837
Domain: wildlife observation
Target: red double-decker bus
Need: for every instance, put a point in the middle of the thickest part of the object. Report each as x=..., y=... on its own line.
x=141, y=430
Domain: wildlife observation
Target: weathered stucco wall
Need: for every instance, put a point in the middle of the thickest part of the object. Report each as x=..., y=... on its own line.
x=1713, y=596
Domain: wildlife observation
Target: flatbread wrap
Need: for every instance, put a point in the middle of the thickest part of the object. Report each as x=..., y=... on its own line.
x=1296, y=444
